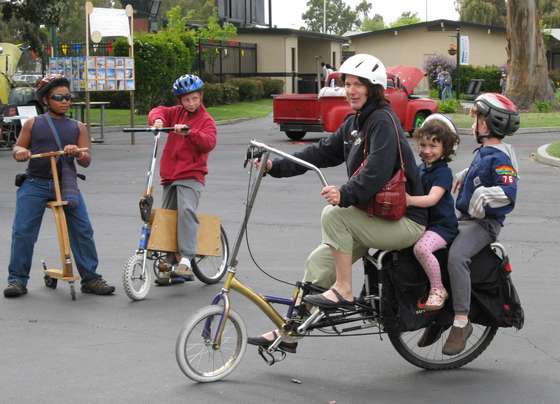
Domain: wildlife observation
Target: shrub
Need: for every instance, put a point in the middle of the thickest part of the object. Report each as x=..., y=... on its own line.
x=490, y=74
x=554, y=75
x=434, y=93
x=449, y=106
x=209, y=77
x=231, y=93
x=249, y=89
x=543, y=106
x=213, y=94
x=159, y=59
x=271, y=86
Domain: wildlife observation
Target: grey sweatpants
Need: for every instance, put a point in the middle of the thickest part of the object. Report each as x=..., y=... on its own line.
x=473, y=236
x=183, y=196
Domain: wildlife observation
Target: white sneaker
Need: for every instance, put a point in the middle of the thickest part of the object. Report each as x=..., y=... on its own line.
x=184, y=270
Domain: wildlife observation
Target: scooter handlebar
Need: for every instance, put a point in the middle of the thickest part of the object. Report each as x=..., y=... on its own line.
x=167, y=130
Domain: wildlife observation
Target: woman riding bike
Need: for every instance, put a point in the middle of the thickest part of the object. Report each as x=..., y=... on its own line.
x=347, y=231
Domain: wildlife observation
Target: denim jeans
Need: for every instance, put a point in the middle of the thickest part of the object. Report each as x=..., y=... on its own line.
x=31, y=201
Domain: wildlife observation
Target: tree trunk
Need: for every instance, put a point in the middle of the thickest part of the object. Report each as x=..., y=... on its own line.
x=527, y=79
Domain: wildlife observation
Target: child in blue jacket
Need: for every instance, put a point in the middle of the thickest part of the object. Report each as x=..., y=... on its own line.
x=487, y=194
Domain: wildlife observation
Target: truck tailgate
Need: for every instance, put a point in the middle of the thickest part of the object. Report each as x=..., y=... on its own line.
x=296, y=108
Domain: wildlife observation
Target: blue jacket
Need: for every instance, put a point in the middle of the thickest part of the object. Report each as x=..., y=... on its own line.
x=490, y=185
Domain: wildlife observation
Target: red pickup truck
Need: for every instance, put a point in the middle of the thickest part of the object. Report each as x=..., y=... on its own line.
x=298, y=114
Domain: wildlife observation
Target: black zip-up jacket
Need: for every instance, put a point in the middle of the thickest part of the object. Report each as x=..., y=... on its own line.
x=347, y=146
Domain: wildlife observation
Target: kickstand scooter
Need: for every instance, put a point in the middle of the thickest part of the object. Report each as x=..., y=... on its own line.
x=158, y=241
x=51, y=275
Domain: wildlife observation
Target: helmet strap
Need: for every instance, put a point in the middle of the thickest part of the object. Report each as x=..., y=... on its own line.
x=479, y=138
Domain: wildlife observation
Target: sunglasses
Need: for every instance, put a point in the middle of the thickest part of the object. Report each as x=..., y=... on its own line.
x=61, y=97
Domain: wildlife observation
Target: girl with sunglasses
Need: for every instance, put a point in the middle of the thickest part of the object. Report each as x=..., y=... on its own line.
x=45, y=133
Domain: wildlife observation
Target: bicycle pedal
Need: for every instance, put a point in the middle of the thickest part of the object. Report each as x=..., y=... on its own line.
x=271, y=358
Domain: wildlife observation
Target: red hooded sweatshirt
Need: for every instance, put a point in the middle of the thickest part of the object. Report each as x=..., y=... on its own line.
x=185, y=157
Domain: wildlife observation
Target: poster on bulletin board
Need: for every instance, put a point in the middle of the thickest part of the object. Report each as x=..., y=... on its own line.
x=104, y=73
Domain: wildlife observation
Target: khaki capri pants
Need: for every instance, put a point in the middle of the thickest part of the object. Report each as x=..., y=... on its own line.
x=352, y=231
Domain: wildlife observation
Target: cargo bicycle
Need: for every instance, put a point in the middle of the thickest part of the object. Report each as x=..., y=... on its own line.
x=213, y=341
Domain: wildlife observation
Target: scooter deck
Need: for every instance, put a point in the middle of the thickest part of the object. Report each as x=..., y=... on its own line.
x=58, y=274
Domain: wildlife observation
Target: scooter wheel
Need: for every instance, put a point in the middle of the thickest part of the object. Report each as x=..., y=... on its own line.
x=50, y=282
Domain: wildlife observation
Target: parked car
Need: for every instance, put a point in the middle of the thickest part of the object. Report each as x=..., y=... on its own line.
x=298, y=114
x=26, y=79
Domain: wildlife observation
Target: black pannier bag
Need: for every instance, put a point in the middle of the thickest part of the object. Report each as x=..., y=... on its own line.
x=494, y=299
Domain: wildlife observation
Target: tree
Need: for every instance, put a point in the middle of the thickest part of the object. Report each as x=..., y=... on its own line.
x=196, y=11
x=406, y=18
x=339, y=19
x=550, y=13
x=362, y=10
x=372, y=24
x=527, y=80
x=488, y=12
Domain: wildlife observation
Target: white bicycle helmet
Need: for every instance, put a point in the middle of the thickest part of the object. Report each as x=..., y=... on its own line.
x=441, y=118
x=367, y=67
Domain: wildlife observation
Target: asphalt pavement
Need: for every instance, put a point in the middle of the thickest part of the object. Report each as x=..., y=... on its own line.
x=109, y=349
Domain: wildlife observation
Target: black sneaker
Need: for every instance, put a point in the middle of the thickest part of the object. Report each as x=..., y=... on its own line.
x=15, y=290
x=98, y=287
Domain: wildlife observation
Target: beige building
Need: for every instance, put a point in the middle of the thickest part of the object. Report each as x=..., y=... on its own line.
x=293, y=55
x=412, y=44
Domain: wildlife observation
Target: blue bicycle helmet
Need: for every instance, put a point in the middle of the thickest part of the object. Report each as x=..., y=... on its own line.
x=187, y=83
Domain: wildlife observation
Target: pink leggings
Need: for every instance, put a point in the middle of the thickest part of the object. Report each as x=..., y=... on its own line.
x=424, y=251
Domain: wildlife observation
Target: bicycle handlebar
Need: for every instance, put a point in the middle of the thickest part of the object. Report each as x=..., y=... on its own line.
x=167, y=130
x=292, y=158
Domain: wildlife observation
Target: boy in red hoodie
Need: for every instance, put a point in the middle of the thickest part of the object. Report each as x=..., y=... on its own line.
x=183, y=164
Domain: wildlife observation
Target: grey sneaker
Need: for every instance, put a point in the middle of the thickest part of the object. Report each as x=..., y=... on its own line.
x=15, y=290
x=457, y=339
x=184, y=271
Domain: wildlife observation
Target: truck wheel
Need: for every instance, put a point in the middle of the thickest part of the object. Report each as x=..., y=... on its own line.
x=418, y=121
x=295, y=135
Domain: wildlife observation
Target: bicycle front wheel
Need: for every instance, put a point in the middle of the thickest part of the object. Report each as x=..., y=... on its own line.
x=136, y=278
x=210, y=269
x=198, y=359
x=431, y=357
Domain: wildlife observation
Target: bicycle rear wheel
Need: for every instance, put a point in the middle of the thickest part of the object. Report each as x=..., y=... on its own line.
x=211, y=269
x=431, y=357
x=195, y=353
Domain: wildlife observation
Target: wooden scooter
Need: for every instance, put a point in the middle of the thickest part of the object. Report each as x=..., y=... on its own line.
x=51, y=275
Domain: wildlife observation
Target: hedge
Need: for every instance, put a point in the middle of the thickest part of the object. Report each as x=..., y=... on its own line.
x=490, y=74
x=159, y=59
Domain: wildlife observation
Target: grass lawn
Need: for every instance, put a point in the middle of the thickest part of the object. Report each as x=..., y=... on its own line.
x=554, y=149
x=252, y=109
x=528, y=120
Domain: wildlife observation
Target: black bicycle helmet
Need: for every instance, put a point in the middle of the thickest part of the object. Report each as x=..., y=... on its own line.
x=49, y=82
x=500, y=113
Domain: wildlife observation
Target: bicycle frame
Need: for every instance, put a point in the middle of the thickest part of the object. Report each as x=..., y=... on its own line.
x=232, y=283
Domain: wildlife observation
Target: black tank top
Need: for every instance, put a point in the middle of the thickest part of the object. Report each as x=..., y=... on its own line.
x=42, y=141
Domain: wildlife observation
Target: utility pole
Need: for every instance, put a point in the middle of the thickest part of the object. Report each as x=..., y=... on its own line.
x=324, y=16
x=426, y=10
x=458, y=62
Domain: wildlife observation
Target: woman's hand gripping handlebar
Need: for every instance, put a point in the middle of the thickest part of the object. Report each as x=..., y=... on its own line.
x=256, y=150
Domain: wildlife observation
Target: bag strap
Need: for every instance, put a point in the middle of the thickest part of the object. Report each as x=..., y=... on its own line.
x=396, y=134
x=53, y=130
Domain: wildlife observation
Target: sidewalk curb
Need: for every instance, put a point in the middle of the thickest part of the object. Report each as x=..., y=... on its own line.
x=543, y=157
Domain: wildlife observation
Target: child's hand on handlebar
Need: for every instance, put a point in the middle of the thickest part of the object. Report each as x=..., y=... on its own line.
x=331, y=194
x=158, y=124
x=182, y=129
x=21, y=153
x=72, y=150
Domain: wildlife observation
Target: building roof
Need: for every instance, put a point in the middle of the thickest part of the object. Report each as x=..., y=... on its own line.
x=289, y=31
x=435, y=25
